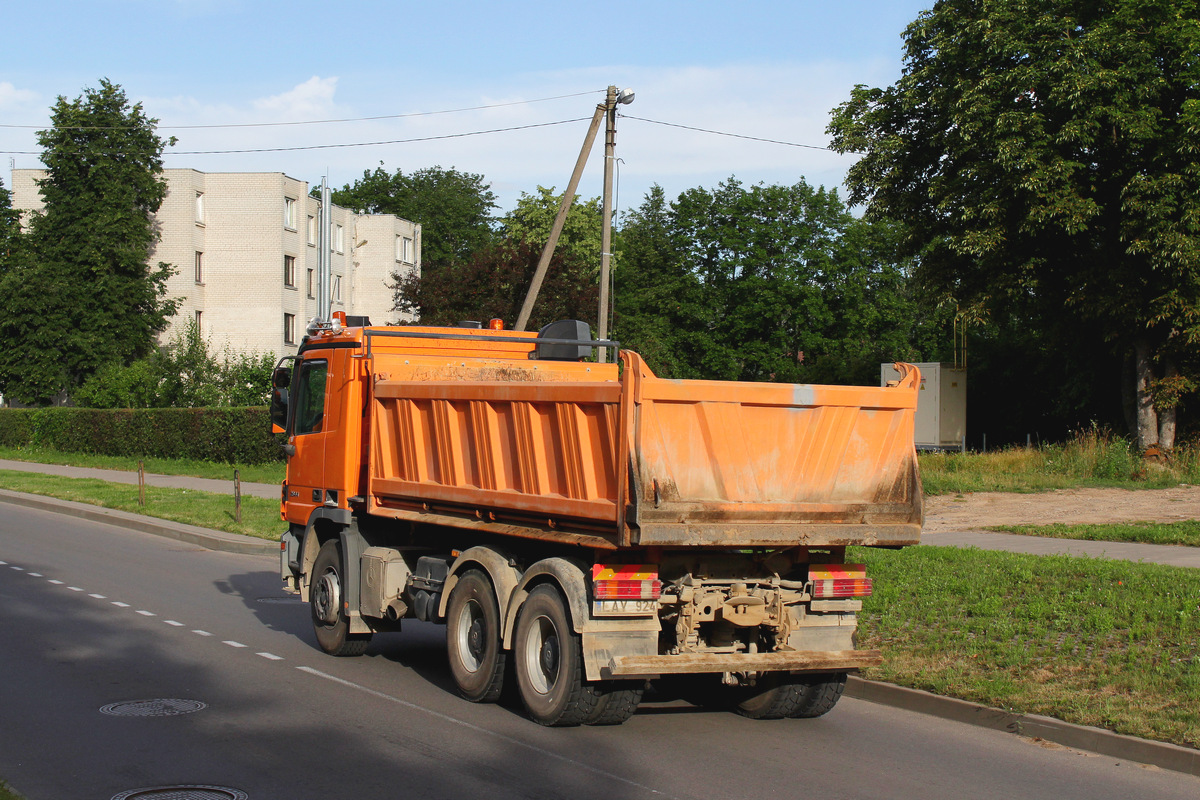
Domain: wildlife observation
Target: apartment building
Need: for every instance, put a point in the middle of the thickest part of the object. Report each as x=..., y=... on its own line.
x=245, y=250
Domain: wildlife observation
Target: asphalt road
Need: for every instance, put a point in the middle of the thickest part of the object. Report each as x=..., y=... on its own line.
x=95, y=615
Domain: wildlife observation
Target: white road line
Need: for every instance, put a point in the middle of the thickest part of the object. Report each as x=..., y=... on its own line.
x=35, y=574
x=98, y=596
x=75, y=589
x=119, y=604
x=14, y=566
x=201, y=633
x=478, y=729
x=3, y=563
x=232, y=643
x=270, y=656
x=173, y=623
x=56, y=583
x=147, y=613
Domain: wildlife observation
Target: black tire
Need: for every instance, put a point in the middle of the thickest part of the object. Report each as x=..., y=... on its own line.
x=618, y=700
x=477, y=658
x=821, y=695
x=549, y=663
x=776, y=696
x=325, y=600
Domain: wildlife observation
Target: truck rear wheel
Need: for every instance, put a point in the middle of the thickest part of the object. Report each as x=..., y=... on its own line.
x=473, y=639
x=327, y=603
x=776, y=696
x=549, y=661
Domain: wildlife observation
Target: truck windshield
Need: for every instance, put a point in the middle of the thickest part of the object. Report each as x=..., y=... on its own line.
x=310, y=396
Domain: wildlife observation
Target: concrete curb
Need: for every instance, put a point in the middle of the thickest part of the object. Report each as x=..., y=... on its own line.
x=1080, y=737
x=192, y=534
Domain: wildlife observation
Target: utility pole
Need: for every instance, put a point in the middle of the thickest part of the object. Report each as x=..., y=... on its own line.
x=607, y=109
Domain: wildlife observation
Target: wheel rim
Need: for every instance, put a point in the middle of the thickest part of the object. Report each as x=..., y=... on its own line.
x=327, y=596
x=471, y=638
x=542, y=655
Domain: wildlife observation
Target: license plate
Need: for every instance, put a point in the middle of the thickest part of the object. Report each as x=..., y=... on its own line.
x=623, y=608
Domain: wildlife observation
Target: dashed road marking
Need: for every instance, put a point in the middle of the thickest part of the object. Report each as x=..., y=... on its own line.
x=173, y=623
x=119, y=604
x=270, y=656
x=98, y=596
x=145, y=613
x=201, y=633
x=18, y=569
x=75, y=589
x=56, y=583
x=35, y=575
x=232, y=643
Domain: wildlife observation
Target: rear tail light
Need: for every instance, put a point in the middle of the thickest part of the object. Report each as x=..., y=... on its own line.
x=839, y=580
x=625, y=582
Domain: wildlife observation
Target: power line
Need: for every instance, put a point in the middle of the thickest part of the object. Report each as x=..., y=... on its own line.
x=371, y=144
x=316, y=121
x=732, y=135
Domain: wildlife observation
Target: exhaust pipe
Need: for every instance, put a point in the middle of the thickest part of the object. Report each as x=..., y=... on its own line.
x=396, y=609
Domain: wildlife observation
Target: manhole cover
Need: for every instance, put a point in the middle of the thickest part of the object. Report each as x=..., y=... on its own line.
x=167, y=707
x=290, y=599
x=183, y=793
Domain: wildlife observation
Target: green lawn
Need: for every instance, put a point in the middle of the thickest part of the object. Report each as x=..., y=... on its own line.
x=1112, y=644
x=260, y=517
x=1185, y=533
x=1090, y=459
x=6, y=793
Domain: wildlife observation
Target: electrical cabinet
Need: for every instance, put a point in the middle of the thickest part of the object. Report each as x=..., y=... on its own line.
x=941, y=419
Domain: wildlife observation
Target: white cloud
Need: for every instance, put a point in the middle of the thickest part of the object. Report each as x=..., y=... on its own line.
x=308, y=100
x=13, y=98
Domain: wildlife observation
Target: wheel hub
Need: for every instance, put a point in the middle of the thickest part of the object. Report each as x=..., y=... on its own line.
x=548, y=657
x=475, y=639
x=327, y=598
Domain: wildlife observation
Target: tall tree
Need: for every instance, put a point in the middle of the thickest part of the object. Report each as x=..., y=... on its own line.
x=86, y=295
x=491, y=284
x=762, y=283
x=453, y=208
x=1043, y=157
x=10, y=227
x=533, y=218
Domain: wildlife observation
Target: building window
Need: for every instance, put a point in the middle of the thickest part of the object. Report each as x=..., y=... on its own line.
x=337, y=288
x=289, y=328
x=200, y=207
x=289, y=271
x=311, y=283
x=404, y=249
x=289, y=213
x=337, y=238
x=312, y=231
x=199, y=323
x=199, y=267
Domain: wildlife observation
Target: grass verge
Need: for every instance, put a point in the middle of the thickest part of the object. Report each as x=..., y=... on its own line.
x=1112, y=644
x=1093, y=458
x=260, y=517
x=1185, y=533
x=252, y=473
x=7, y=793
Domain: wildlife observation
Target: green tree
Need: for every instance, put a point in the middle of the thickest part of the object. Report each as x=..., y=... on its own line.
x=454, y=209
x=491, y=284
x=10, y=228
x=763, y=283
x=1043, y=157
x=85, y=295
x=533, y=218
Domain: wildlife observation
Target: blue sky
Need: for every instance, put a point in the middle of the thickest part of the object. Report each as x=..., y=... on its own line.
x=765, y=69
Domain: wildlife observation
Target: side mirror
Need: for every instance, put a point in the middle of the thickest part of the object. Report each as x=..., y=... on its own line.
x=279, y=409
x=281, y=378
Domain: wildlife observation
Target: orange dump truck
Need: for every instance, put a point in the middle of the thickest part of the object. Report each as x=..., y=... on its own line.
x=585, y=528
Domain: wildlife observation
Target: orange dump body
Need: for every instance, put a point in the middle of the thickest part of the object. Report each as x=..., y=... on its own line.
x=472, y=432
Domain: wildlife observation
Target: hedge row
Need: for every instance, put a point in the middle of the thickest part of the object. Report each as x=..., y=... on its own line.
x=229, y=435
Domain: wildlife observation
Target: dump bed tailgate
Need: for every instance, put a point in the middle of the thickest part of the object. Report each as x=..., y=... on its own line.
x=728, y=463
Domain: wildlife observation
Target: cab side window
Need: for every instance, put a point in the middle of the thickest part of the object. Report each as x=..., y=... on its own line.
x=310, y=396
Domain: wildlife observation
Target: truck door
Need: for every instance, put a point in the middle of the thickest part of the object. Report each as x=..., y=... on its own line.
x=306, y=464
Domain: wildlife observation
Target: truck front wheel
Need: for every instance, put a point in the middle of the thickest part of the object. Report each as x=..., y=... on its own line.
x=473, y=639
x=327, y=602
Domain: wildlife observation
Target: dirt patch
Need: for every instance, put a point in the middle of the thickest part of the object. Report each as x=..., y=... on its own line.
x=1068, y=506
